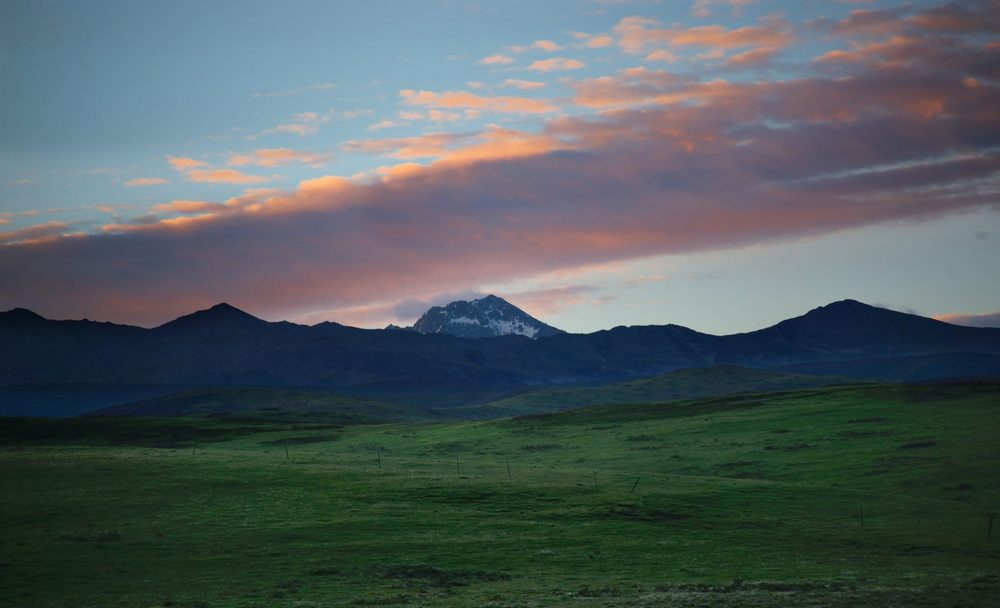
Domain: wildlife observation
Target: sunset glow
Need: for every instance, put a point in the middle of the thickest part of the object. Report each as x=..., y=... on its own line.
x=607, y=163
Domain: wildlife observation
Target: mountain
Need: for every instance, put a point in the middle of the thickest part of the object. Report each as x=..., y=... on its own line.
x=224, y=346
x=851, y=330
x=483, y=318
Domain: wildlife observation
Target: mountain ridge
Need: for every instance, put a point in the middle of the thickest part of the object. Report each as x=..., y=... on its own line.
x=226, y=346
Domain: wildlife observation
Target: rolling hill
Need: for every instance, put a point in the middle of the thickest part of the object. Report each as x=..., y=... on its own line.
x=692, y=383
x=223, y=346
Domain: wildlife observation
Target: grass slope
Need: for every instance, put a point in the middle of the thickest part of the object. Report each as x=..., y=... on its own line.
x=742, y=500
x=268, y=403
x=75, y=399
x=682, y=384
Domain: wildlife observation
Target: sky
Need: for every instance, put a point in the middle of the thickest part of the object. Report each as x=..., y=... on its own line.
x=718, y=164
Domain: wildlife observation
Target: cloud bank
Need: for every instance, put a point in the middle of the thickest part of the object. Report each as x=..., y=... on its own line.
x=904, y=129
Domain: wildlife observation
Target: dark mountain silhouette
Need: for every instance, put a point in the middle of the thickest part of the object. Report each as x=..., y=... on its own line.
x=226, y=346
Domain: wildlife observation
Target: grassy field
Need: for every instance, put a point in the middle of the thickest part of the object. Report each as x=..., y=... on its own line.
x=691, y=383
x=840, y=496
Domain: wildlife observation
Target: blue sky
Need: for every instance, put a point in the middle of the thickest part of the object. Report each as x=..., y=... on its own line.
x=139, y=139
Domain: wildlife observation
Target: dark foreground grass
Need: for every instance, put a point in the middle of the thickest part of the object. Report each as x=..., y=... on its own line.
x=746, y=500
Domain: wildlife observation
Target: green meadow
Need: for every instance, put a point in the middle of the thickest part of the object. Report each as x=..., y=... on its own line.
x=836, y=496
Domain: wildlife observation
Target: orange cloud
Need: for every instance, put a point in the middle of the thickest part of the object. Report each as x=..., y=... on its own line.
x=599, y=42
x=546, y=45
x=661, y=55
x=35, y=234
x=522, y=84
x=636, y=34
x=224, y=176
x=556, y=64
x=989, y=319
x=464, y=99
x=146, y=181
x=184, y=164
x=496, y=60
x=186, y=206
x=493, y=143
x=753, y=58
x=276, y=157
x=423, y=146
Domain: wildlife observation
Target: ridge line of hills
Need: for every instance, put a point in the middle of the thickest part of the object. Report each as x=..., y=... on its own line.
x=224, y=345
x=41, y=360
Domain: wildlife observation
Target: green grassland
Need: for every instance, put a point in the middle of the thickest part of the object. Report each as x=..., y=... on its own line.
x=692, y=383
x=837, y=496
x=272, y=404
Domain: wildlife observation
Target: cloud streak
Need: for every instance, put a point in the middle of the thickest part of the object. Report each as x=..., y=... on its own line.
x=990, y=319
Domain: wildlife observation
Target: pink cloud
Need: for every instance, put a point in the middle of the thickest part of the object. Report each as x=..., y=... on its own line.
x=276, y=157
x=754, y=58
x=553, y=300
x=146, y=181
x=546, y=45
x=637, y=34
x=184, y=164
x=989, y=319
x=522, y=84
x=465, y=99
x=493, y=143
x=600, y=42
x=224, y=176
x=497, y=60
x=187, y=206
x=870, y=22
x=556, y=64
x=39, y=233
x=669, y=164
x=965, y=17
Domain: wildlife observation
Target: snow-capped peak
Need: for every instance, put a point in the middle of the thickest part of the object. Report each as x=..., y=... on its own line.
x=481, y=318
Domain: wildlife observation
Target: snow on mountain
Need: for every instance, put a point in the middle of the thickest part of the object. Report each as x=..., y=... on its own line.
x=482, y=318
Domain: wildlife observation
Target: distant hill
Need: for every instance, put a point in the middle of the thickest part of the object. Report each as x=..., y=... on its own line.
x=224, y=346
x=55, y=400
x=919, y=368
x=678, y=385
x=483, y=318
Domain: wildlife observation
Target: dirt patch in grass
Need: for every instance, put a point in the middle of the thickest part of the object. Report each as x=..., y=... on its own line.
x=925, y=443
